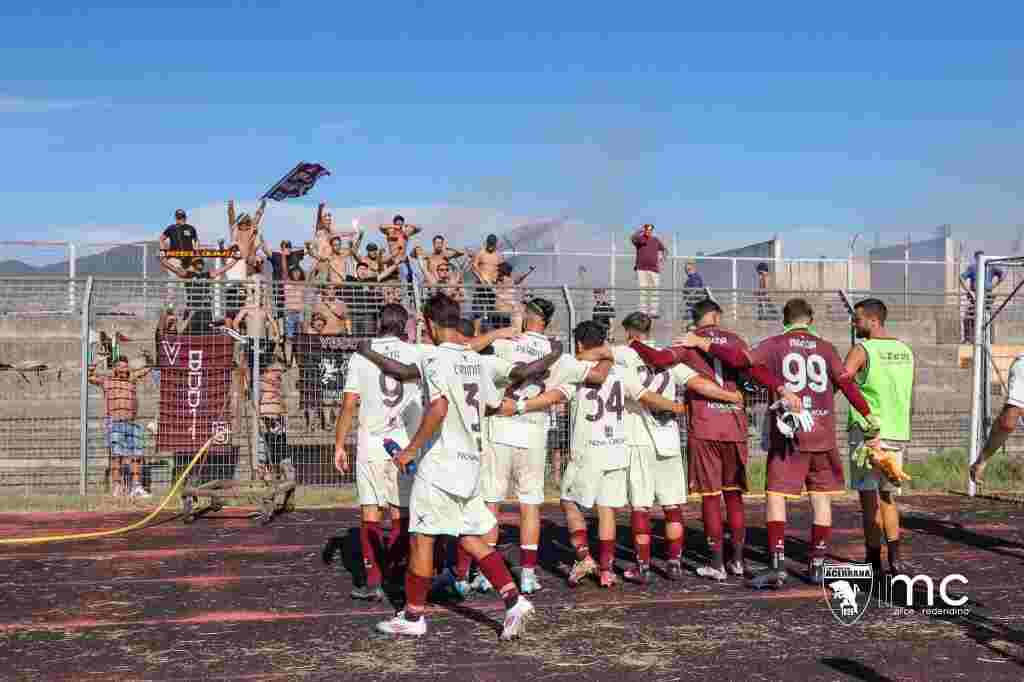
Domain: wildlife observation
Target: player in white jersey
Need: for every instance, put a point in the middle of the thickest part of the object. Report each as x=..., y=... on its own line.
x=389, y=409
x=446, y=496
x=503, y=372
x=515, y=450
x=597, y=472
x=656, y=471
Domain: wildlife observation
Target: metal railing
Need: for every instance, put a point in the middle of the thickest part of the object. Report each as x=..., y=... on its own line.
x=54, y=428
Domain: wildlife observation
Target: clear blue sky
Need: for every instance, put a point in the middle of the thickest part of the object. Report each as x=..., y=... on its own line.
x=892, y=117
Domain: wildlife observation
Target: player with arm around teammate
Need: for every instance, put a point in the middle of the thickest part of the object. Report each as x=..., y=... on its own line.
x=446, y=496
x=802, y=448
x=388, y=408
x=656, y=473
x=716, y=449
x=596, y=476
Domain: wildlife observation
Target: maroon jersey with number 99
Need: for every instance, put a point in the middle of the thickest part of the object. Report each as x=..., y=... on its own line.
x=811, y=368
x=710, y=419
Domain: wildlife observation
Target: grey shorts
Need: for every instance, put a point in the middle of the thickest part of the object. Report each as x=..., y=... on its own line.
x=868, y=478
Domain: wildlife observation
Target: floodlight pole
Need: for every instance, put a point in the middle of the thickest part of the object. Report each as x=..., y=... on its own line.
x=978, y=393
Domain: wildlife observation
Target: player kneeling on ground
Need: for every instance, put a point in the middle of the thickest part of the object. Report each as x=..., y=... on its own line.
x=1007, y=421
x=389, y=409
x=446, y=497
x=656, y=473
x=802, y=444
x=596, y=475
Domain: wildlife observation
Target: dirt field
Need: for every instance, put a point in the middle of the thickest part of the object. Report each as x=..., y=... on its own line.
x=227, y=599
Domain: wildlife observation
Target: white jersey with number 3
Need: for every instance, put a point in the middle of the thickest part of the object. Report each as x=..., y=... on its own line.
x=598, y=418
x=456, y=373
x=388, y=408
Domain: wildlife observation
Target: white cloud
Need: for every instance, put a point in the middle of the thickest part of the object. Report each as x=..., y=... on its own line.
x=12, y=104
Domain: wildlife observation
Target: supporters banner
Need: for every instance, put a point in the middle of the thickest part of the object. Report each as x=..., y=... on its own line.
x=195, y=389
x=323, y=362
x=298, y=182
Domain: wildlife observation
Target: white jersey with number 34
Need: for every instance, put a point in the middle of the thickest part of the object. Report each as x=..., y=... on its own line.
x=598, y=418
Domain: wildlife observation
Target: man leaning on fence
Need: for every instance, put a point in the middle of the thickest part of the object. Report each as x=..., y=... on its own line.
x=994, y=276
x=650, y=254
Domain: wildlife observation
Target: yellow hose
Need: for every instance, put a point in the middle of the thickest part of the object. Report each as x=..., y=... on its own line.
x=117, y=531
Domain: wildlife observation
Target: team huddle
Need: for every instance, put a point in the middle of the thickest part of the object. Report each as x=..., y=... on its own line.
x=447, y=432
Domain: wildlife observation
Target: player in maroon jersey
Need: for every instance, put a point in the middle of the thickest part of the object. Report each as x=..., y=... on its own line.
x=813, y=370
x=717, y=434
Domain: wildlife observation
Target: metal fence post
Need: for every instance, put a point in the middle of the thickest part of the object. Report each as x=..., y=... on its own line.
x=417, y=301
x=83, y=402
x=572, y=319
x=674, y=313
x=735, y=291
x=254, y=421
x=978, y=399
x=72, y=273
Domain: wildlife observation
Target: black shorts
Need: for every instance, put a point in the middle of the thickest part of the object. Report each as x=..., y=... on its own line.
x=484, y=300
x=275, y=440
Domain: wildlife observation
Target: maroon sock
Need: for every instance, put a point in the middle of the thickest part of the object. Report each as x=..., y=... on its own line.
x=494, y=569
x=777, y=537
x=711, y=507
x=370, y=540
x=607, y=554
x=821, y=537
x=440, y=554
x=641, y=523
x=416, y=589
x=463, y=560
x=578, y=539
x=737, y=521
x=528, y=556
x=398, y=544
x=675, y=545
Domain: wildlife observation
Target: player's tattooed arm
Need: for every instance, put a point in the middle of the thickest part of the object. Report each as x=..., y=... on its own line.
x=712, y=391
x=854, y=363
x=537, y=367
x=393, y=368
x=430, y=423
x=341, y=428
x=544, y=401
x=478, y=343
x=656, y=403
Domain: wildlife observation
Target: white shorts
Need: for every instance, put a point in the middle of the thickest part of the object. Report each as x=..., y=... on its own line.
x=379, y=483
x=507, y=466
x=869, y=478
x=433, y=511
x=589, y=485
x=655, y=480
x=1015, y=387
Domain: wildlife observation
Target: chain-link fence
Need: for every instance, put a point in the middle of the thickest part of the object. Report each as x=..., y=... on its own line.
x=192, y=369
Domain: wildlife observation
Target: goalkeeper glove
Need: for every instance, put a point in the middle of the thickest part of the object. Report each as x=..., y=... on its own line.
x=789, y=422
x=872, y=426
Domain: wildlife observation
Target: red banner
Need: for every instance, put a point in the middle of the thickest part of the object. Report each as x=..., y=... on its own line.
x=195, y=383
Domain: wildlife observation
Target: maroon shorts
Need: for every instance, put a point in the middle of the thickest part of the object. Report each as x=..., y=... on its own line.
x=820, y=472
x=714, y=466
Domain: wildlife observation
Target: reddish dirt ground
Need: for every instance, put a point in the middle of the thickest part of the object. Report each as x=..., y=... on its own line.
x=227, y=599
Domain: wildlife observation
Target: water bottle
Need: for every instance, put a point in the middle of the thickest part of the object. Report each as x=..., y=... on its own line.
x=393, y=448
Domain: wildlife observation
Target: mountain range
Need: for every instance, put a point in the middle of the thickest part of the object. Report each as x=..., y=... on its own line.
x=125, y=261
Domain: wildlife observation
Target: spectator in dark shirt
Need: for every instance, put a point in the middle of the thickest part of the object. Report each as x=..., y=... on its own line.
x=694, y=287
x=765, y=308
x=650, y=254
x=364, y=300
x=198, y=291
x=604, y=311
x=178, y=236
x=994, y=276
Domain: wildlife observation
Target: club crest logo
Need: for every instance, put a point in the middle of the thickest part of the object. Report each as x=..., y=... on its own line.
x=847, y=588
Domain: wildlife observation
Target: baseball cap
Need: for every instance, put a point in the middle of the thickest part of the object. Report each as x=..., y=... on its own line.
x=543, y=307
x=371, y=247
x=180, y=213
x=492, y=240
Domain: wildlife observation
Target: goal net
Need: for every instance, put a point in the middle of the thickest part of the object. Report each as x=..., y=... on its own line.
x=992, y=308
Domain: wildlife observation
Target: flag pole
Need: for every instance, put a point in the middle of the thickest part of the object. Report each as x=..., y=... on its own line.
x=287, y=175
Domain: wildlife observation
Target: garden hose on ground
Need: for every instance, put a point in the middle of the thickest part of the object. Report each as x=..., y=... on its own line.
x=117, y=531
